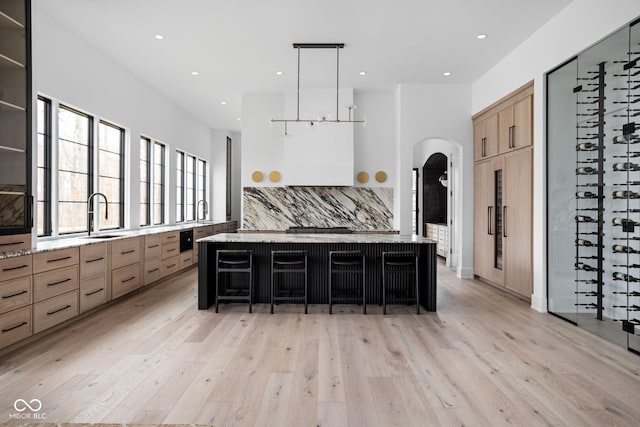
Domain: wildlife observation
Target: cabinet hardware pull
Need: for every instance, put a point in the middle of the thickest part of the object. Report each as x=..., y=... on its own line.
x=504, y=221
x=513, y=136
x=152, y=246
x=14, y=327
x=59, y=282
x=59, y=259
x=94, y=260
x=171, y=266
x=171, y=250
x=24, y=291
x=88, y=294
x=128, y=280
x=484, y=150
x=489, y=212
x=127, y=252
x=11, y=243
x=49, y=313
x=171, y=237
x=15, y=268
x=153, y=270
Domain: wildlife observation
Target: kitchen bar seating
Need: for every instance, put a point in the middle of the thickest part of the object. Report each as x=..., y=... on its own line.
x=287, y=270
x=400, y=279
x=345, y=288
x=234, y=276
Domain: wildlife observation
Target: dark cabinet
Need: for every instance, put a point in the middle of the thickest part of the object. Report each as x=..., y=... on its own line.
x=15, y=113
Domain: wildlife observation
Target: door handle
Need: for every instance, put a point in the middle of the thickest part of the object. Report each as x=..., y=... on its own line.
x=489, y=212
x=504, y=221
x=484, y=147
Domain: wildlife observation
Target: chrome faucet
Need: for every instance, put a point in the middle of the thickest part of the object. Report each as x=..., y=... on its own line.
x=205, y=209
x=91, y=212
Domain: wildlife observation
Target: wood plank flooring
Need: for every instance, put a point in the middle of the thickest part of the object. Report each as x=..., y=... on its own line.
x=485, y=359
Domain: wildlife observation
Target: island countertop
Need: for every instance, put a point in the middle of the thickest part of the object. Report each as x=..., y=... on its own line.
x=315, y=238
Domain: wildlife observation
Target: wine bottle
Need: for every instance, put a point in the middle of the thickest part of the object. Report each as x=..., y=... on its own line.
x=587, y=170
x=585, y=267
x=584, y=218
x=625, y=194
x=586, y=195
x=586, y=146
x=626, y=277
x=623, y=139
x=626, y=166
x=624, y=249
x=583, y=242
x=623, y=221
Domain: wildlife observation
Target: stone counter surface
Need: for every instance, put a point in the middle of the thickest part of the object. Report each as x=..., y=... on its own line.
x=315, y=238
x=69, y=242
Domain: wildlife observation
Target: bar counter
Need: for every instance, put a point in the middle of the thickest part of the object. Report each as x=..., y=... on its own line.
x=317, y=247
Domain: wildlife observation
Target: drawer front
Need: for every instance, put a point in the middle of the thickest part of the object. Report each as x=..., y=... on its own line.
x=200, y=232
x=125, y=252
x=152, y=247
x=93, y=292
x=15, y=293
x=15, y=326
x=125, y=280
x=15, y=242
x=54, y=310
x=170, y=237
x=170, y=250
x=47, y=261
x=186, y=259
x=218, y=228
x=56, y=282
x=170, y=265
x=152, y=271
x=93, y=260
x=13, y=267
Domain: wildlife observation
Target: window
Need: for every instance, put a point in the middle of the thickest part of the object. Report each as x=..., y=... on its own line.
x=179, y=186
x=202, y=188
x=228, y=182
x=75, y=143
x=190, y=187
x=43, y=183
x=145, y=181
x=110, y=175
x=158, y=183
x=75, y=159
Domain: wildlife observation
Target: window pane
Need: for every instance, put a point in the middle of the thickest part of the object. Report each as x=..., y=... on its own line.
x=145, y=181
x=179, y=186
x=72, y=187
x=73, y=156
x=158, y=182
x=110, y=165
x=73, y=126
x=72, y=217
x=190, y=186
x=43, y=179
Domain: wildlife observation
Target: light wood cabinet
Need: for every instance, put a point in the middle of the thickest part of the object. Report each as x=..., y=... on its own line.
x=186, y=259
x=126, y=252
x=152, y=270
x=55, y=282
x=93, y=276
x=15, y=293
x=15, y=242
x=170, y=265
x=53, y=311
x=46, y=261
x=15, y=325
x=485, y=137
x=152, y=247
x=125, y=280
x=440, y=234
x=515, y=124
x=13, y=267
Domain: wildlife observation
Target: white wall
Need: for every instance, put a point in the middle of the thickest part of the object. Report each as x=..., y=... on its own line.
x=579, y=25
x=442, y=112
x=70, y=70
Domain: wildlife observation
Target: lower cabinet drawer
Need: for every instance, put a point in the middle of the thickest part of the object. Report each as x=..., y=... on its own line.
x=186, y=259
x=170, y=265
x=125, y=280
x=15, y=326
x=55, y=282
x=15, y=293
x=152, y=271
x=55, y=310
x=93, y=292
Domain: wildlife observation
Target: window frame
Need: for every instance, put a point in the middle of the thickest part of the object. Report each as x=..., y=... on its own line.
x=162, y=183
x=180, y=185
x=146, y=144
x=121, y=179
x=47, y=167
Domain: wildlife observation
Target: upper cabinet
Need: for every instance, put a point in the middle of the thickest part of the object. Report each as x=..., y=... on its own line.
x=15, y=99
x=505, y=126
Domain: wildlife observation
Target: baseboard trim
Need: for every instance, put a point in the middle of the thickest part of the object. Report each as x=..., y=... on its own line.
x=538, y=303
x=464, y=273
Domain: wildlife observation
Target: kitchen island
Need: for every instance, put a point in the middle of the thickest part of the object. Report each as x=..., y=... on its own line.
x=317, y=247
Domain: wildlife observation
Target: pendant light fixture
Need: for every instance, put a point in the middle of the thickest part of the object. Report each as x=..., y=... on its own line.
x=324, y=116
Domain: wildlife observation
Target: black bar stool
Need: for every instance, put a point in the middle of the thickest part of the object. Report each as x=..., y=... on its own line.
x=400, y=266
x=291, y=264
x=230, y=263
x=347, y=290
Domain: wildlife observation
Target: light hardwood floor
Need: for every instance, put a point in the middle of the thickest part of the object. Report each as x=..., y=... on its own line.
x=484, y=358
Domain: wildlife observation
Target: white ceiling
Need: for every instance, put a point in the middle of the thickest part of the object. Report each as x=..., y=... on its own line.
x=238, y=45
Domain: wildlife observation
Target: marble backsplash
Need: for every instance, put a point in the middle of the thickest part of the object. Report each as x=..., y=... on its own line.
x=278, y=208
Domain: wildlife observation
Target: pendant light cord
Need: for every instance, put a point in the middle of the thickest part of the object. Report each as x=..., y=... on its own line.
x=298, y=102
x=337, y=81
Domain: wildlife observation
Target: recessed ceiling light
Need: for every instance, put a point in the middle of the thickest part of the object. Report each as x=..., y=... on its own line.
x=237, y=118
x=159, y=36
x=279, y=73
x=223, y=102
x=363, y=73
x=194, y=73
x=481, y=36
x=447, y=74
